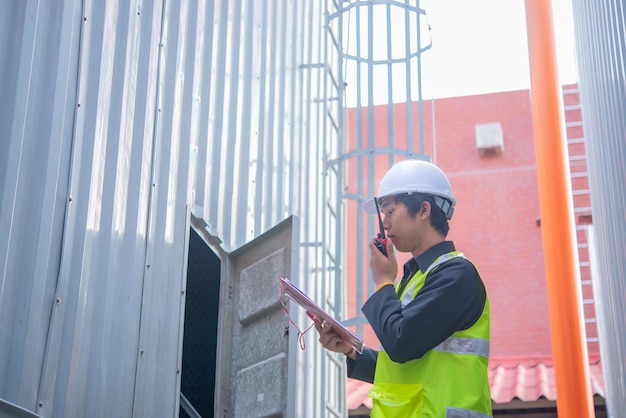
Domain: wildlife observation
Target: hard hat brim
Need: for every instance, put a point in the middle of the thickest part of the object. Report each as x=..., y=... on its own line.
x=369, y=206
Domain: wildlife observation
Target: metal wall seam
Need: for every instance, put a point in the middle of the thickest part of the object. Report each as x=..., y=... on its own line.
x=243, y=216
x=217, y=110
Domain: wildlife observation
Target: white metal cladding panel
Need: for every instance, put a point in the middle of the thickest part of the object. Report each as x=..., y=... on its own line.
x=250, y=155
x=107, y=104
x=38, y=65
x=273, y=125
x=600, y=28
x=273, y=102
x=94, y=204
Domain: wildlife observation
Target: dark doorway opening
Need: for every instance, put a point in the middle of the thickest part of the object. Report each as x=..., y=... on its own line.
x=200, y=333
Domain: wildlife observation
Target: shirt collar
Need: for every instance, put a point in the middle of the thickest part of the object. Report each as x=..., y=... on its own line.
x=424, y=260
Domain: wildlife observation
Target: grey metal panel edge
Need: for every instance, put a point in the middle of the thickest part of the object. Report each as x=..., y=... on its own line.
x=10, y=410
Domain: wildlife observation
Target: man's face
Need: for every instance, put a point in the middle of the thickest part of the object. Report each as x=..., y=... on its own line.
x=404, y=230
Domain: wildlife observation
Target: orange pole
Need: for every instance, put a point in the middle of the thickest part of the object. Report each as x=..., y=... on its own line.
x=571, y=368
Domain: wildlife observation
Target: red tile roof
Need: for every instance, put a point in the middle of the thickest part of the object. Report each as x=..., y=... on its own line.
x=526, y=380
x=529, y=382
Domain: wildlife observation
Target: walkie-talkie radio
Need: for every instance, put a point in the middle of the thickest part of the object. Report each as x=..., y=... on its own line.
x=381, y=240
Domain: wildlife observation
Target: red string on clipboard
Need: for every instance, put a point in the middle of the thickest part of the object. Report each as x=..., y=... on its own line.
x=301, y=339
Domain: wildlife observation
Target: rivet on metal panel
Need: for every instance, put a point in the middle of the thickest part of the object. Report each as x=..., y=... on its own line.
x=58, y=301
x=147, y=266
x=177, y=371
x=84, y=18
x=40, y=404
x=71, y=199
x=141, y=352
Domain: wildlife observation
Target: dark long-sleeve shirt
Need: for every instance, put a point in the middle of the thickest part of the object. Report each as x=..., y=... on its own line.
x=452, y=299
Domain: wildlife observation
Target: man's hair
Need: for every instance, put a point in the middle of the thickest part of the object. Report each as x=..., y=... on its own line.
x=413, y=202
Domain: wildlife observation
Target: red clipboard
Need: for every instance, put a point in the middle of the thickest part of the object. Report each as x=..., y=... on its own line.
x=316, y=313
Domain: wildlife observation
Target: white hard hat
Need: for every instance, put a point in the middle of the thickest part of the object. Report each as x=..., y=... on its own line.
x=415, y=176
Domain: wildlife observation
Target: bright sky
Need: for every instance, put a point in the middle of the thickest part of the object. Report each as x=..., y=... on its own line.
x=480, y=46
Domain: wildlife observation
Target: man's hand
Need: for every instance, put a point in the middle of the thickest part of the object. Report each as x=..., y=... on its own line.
x=384, y=268
x=332, y=342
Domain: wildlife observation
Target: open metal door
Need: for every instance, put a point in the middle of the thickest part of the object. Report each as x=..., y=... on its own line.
x=256, y=370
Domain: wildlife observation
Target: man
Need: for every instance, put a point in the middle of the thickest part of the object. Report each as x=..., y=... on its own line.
x=433, y=325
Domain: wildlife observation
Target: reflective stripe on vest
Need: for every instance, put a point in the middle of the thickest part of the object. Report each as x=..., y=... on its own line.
x=408, y=292
x=464, y=413
x=457, y=345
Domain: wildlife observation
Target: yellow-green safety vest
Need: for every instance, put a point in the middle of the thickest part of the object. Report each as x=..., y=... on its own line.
x=449, y=381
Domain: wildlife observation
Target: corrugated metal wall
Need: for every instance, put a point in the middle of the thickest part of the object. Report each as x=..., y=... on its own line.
x=600, y=29
x=118, y=120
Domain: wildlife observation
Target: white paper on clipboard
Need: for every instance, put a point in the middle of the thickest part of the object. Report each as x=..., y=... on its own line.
x=315, y=312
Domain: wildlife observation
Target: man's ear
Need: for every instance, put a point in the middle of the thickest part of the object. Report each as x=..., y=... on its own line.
x=425, y=209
